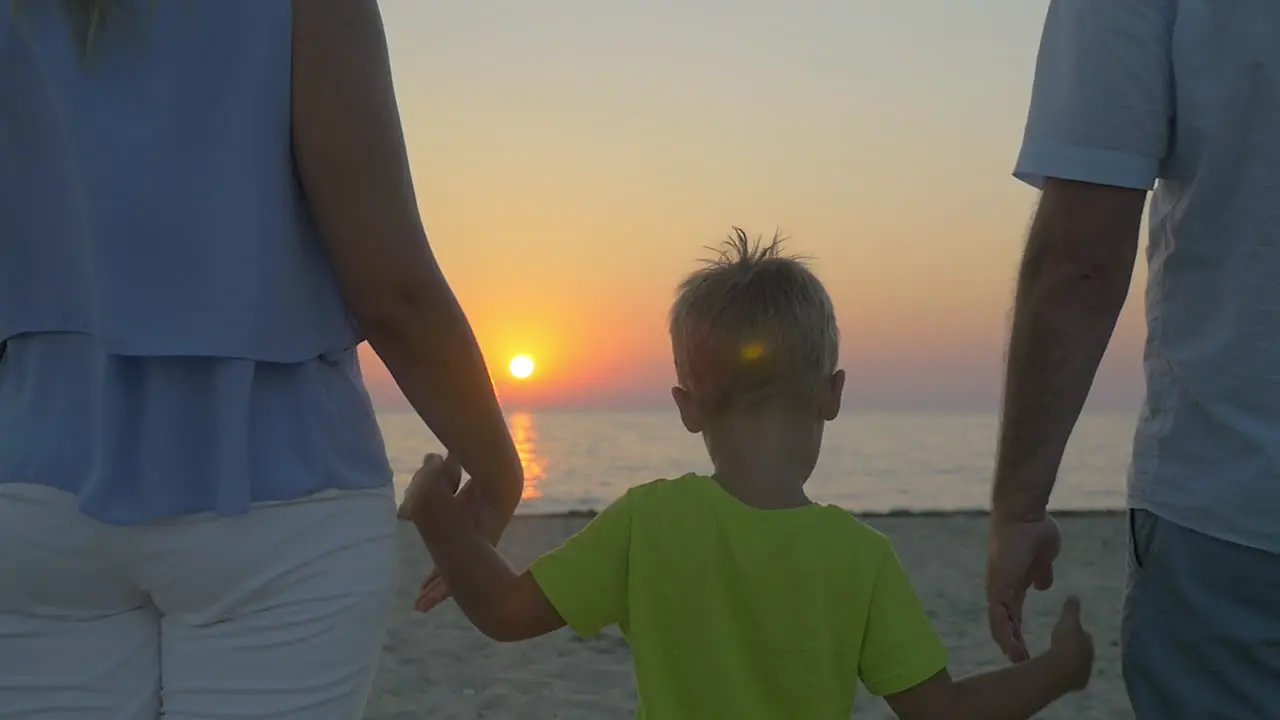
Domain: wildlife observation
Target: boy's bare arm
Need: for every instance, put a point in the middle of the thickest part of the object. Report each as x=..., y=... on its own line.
x=1016, y=692
x=502, y=604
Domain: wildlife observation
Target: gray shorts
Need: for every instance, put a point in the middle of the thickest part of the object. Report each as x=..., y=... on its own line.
x=1201, y=626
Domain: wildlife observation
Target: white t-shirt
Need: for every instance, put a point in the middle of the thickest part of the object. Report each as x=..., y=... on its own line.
x=1184, y=96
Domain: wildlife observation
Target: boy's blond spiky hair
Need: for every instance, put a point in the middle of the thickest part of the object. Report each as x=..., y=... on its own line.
x=751, y=325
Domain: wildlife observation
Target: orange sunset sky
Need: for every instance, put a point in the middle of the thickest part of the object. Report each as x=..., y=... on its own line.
x=573, y=158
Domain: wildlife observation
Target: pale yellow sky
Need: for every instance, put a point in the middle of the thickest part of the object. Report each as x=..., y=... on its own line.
x=573, y=158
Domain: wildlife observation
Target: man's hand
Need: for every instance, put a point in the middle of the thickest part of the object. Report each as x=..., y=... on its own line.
x=1020, y=555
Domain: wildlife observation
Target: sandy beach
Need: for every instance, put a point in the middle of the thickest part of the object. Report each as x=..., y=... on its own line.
x=437, y=666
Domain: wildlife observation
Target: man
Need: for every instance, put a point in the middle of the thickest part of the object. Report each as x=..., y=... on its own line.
x=1182, y=96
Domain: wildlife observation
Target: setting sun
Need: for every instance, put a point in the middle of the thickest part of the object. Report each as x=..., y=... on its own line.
x=521, y=366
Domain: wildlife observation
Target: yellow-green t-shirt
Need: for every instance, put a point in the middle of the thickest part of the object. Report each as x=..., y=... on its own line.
x=735, y=612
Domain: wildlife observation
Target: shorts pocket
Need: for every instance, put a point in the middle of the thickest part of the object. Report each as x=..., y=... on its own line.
x=1142, y=537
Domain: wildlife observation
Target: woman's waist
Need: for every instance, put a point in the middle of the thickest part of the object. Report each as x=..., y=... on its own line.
x=173, y=431
x=268, y=296
x=267, y=325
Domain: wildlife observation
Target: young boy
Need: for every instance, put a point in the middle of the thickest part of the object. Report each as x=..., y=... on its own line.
x=739, y=596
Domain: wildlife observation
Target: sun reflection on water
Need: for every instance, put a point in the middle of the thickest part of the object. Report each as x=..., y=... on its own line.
x=525, y=435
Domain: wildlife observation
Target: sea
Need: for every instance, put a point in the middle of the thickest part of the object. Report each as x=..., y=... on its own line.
x=581, y=460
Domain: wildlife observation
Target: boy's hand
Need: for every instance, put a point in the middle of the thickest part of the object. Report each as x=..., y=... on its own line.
x=489, y=522
x=1072, y=646
x=434, y=482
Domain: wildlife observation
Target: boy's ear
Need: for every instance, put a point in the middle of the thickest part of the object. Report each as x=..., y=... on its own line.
x=690, y=415
x=832, y=395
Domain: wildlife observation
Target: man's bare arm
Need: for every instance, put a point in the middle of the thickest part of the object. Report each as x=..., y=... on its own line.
x=1072, y=284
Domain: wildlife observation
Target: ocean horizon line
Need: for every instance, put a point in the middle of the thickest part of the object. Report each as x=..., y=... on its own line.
x=397, y=410
x=891, y=513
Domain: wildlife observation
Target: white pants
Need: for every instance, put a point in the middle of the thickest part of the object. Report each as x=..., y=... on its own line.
x=274, y=615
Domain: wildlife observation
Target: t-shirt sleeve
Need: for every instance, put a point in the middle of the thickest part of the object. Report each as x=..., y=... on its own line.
x=899, y=646
x=586, y=578
x=1102, y=100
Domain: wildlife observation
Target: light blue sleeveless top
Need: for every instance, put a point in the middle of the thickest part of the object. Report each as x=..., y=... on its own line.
x=175, y=339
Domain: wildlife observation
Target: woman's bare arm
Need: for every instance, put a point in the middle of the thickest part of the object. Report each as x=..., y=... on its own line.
x=355, y=170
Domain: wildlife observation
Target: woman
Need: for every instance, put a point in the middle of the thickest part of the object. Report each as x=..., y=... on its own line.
x=204, y=207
